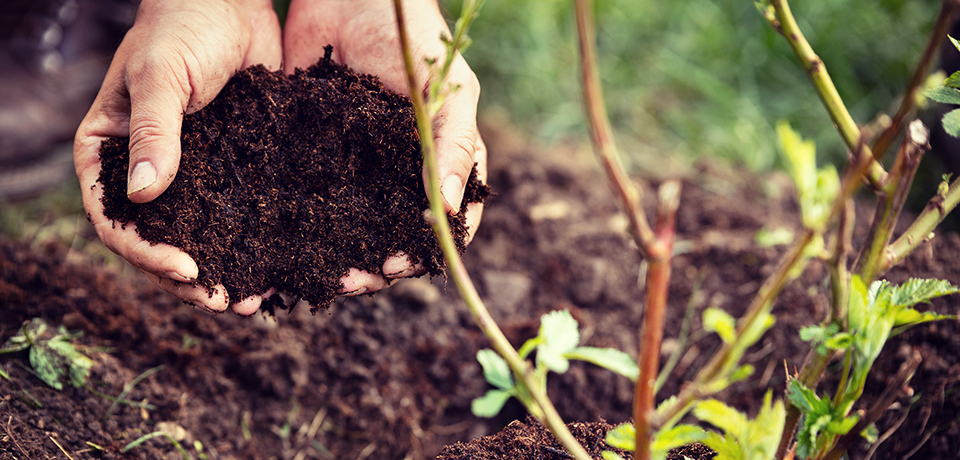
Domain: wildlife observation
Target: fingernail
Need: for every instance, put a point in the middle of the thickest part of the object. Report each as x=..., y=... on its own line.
x=142, y=176
x=178, y=277
x=362, y=290
x=401, y=274
x=452, y=191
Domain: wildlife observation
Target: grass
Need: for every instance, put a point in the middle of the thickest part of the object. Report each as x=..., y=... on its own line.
x=694, y=77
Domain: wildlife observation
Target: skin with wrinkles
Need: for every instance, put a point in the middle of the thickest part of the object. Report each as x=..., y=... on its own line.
x=179, y=55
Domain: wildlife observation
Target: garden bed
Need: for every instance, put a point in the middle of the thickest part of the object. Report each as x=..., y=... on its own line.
x=392, y=376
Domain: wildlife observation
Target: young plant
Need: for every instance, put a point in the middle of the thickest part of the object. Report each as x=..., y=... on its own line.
x=874, y=314
x=52, y=356
x=949, y=93
x=556, y=344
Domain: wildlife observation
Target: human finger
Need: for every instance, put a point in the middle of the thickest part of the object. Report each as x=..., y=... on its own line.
x=358, y=282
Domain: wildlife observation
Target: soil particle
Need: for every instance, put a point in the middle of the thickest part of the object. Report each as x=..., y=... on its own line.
x=286, y=182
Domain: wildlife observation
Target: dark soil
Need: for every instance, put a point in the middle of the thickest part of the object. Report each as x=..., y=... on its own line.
x=392, y=376
x=286, y=182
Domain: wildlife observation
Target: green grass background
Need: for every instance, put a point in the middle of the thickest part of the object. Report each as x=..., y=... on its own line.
x=695, y=77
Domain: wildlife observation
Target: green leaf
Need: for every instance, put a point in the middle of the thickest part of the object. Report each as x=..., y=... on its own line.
x=741, y=373
x=624, y=436
x=842, y=426
x=4, y=374
x=951, y=122
x=910, y=317
x=490, y=404
x=677, y=436
x=726, y=446
x=495, y=369
x=943, y=95
x=767, y=238
x=609, y=455
x=916, y=291
x=559, y=331
x=31, y=330
x=721, y=416
x=870, y=434
x=719, y=321
x=560, y=335
x=607, y=358
x=956, y=44
x=49, y=366
x=804, y=398
x=953, y=81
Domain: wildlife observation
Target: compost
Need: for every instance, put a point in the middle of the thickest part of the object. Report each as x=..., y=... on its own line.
x=287, y=182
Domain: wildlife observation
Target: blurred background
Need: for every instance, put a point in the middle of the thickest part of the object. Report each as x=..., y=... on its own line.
x=684, y=79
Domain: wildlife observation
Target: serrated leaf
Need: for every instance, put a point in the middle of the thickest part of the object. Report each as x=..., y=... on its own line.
x=623, y=436
x=804, y=398
x=719, y=321
x=495, y=369
x=951, y=122
x=559, y=331
x=726, y=446
x=677, y=436
x=490, y=404
x=721, y=416
x=916, y=291
x=943, y=95
x=953, y=81
x=607, y=358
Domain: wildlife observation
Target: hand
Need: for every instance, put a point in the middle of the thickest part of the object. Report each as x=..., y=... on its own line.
x=174, y=60
x=365, y=38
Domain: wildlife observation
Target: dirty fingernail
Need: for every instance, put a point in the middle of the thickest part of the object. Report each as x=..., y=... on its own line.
x=178, y=277
x=452, y=190
x=401, y=274
x=362, y=290
x=142, y=176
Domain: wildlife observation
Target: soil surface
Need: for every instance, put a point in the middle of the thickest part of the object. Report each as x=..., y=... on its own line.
x=392, y=376
x=287, y=182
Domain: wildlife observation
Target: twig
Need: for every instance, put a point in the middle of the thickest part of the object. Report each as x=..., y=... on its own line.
x=919, y=232
x=651, y=335
x=458, y=272
x=683, y=336
x=602, y=136
x=826, y=90
x=13, y=438
x=948, y=10
x=61, y=448
x=889, y=395
x=892, y=198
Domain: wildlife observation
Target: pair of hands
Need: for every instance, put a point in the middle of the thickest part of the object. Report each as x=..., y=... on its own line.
x=180, y=53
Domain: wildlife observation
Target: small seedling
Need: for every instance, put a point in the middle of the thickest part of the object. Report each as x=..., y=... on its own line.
x=149, y=436
x=53, y=357
x=555, y=345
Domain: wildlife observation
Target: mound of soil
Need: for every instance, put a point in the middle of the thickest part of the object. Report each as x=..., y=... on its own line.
x=392, y=376
x=286, y=182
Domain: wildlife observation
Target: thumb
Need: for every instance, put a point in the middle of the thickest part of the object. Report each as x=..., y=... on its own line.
x=457, y=139
x=157, y=104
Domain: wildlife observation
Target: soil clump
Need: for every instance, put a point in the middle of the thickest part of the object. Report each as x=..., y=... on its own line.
x=286, y=182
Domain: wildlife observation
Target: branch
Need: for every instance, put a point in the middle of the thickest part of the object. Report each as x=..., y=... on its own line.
x=892, y=198
x=458, y=272
x=817, y=71
x=602, y=135
x=948, y=10
x=920, y=231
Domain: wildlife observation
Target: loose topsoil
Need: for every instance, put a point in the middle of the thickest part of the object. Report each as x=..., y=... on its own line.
x=286, y=182
x=392, y=376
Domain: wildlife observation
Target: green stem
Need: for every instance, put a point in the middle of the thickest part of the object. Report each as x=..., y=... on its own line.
x=458, y=271
x=826, y=90
x=892, y=199
x=948, y=10
x=920, y=231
